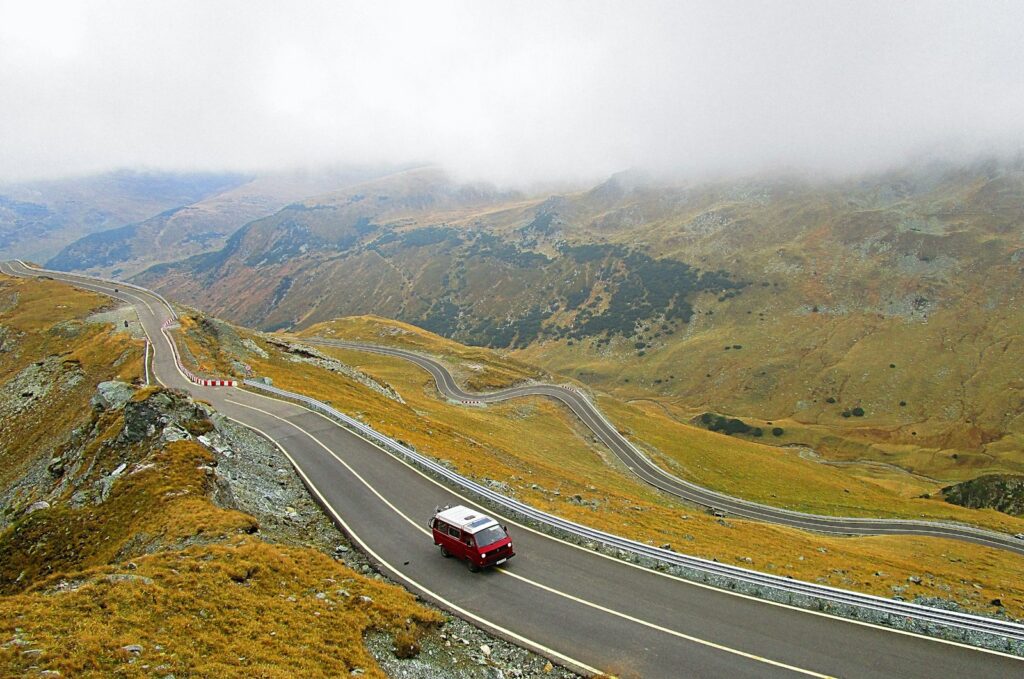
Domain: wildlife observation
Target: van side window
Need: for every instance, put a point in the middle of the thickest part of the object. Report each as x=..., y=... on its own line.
x=453, y=531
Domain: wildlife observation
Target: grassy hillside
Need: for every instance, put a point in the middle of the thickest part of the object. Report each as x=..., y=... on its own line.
x=905, y=304
x=536, y=451
x=51, y=359
x=897, y=297
x=115, y=558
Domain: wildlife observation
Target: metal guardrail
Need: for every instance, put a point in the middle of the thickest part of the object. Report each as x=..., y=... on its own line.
x=976, y=630
x=165, y=328
x=714, y=499
x=981, y=532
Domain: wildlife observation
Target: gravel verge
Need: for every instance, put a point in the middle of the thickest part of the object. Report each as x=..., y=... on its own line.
x=253, y=476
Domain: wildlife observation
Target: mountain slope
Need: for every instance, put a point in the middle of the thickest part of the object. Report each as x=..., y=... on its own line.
x=195, y=227
x=39, y=218
x=877, y=319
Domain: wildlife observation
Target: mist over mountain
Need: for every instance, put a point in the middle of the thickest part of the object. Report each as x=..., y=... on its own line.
x=190, y=228
x=514, y=95
x=38, y=218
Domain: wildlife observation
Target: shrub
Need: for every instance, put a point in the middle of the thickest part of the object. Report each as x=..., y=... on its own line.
x=199, y=426
x=903, y=403
x=758, y=432
x=846, y=413
x=725, y=425
x=406, y=645
x=858, y=412
x=830, y=399
x=778, y=431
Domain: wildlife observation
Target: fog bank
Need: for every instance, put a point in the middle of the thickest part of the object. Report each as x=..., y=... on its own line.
x=512, y=93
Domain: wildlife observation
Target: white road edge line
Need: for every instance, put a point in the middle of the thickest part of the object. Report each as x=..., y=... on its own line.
x=461, y=611
x=415, y=525
x=676, y=578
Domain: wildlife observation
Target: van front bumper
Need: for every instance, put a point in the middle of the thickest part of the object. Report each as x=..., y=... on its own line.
x=497, y=560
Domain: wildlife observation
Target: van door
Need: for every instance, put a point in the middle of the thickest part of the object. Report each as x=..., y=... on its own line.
x=472, y=553
x=457, y=545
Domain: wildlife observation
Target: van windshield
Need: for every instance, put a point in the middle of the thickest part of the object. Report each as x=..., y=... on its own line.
x=488, y=536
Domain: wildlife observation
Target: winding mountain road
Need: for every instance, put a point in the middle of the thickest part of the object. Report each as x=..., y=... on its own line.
x=587, y=611
x=648, y=471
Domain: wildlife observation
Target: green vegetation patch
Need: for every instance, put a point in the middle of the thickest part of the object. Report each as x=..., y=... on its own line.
x=1003, y=492
x=733, y=425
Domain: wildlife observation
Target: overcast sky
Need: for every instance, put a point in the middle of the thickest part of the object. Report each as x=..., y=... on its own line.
x=512, y=92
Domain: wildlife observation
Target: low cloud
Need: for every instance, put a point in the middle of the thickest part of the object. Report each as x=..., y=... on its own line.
x=511, y=92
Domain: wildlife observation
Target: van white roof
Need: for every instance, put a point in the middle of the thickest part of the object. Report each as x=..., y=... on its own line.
x=469, y=520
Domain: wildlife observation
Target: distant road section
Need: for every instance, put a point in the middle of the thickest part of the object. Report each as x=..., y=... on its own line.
x=645, y=469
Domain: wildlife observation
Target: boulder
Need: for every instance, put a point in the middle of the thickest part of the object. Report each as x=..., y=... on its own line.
x=36, y=506
x=112, y=395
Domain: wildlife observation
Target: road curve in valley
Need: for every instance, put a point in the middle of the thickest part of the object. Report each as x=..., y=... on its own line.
x=648, y=471
x=587, y=611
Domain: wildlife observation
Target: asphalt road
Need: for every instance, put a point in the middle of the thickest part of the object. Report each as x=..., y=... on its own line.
x=584, y=610
x=651, y=473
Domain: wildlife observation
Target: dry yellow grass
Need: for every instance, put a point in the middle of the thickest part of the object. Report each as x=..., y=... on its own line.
x=779, y=476
x=43, y=319
x=957, y=376
x=249, y=608
x=156, y=563
x=760, y=472
x=479, y=369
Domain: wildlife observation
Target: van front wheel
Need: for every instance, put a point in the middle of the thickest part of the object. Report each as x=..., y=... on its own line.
x=444, y=552
x=473, y=568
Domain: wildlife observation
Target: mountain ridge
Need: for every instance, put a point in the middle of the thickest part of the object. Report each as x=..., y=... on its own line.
x=757, y=299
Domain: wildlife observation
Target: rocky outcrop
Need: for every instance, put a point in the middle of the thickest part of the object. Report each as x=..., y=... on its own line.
x=302, y=353
x=1003, y=492
x=112, y=395
x=156, y=413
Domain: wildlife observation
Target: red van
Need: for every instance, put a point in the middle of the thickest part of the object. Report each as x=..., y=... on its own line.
x=467, y=534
